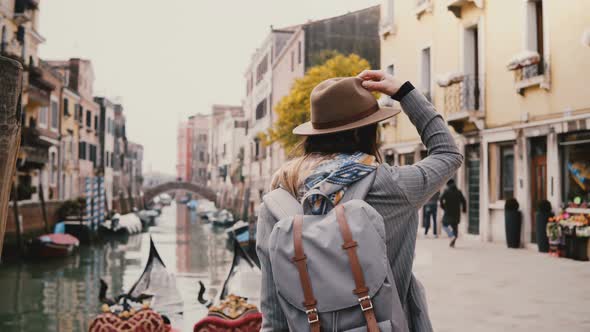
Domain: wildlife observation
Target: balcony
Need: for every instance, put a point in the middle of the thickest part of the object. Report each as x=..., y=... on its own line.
x=530, y=70
x=34, y=150
x=455, y=6
x=38, y=88
x=463, y=102
x=530, y=76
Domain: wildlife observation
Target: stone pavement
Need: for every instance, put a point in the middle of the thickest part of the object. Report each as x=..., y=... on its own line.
x=488, y=287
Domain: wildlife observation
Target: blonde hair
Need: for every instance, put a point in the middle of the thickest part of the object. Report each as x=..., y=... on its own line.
x=292, y=174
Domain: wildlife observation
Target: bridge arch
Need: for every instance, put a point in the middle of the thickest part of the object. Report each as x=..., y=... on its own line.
x=199, y=190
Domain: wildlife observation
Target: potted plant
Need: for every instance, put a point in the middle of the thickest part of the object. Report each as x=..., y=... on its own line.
x=554, y=236
x=512, y=223
x=541, y=218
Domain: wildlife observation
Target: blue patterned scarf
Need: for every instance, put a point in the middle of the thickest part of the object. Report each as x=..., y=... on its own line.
x=334, y=176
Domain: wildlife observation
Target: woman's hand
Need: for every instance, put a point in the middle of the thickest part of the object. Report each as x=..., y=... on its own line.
x=380, y=81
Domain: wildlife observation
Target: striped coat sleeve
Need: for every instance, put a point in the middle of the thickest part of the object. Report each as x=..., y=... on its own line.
x=420, y=181
x=273, y=318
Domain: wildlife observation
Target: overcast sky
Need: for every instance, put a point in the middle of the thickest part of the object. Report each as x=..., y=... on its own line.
x=166, y=60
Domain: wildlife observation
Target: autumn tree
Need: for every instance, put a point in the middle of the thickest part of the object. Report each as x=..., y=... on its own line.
x=293, y=109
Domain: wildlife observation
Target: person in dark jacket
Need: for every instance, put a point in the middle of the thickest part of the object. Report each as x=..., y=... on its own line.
x=429, y=212
x=453, y=202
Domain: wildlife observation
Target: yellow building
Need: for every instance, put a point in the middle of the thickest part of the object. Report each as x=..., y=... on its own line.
x=510, y=76
x=69, y=170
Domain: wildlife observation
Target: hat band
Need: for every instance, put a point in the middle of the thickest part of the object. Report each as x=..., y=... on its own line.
x=343, y=122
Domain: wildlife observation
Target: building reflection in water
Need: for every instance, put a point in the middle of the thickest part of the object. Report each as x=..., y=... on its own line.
x=62, y=295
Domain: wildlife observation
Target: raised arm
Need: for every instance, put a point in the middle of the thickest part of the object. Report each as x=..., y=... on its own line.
x=421, y=180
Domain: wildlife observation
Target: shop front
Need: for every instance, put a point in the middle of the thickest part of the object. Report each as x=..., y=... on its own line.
x=569, y=231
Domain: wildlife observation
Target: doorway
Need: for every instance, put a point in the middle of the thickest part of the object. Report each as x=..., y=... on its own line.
x=538, y=148
x=473, y=165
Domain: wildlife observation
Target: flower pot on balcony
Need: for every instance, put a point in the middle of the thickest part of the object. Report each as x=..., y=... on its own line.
x=512, y=223
x=541, y=218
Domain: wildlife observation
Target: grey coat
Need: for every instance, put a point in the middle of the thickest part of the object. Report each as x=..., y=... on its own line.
x=397, y=194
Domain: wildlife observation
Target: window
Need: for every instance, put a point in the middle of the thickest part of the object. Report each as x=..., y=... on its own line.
x=576, y=169
x=292, y=60
x=43, y=116
x=66, y=107
x=54, y=114
x=261, y=110
x=88, y=119
x=201, y=156
x=299, y=52
x=506, y=172
x=79, y=113
x=408, y=158
x=96, y=122
x=535, y=36
x=106, y=161
x=261, y=69
x=426, y=74
x=82, y=150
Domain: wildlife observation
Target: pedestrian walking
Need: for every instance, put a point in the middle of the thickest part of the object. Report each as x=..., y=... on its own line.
x=429, y=213
x=339, y=207
x=453, y=202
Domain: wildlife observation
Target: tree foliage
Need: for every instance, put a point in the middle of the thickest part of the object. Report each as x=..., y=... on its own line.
x=293, y=109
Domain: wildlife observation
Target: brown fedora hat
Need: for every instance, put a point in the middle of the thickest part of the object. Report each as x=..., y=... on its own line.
x=340, y=104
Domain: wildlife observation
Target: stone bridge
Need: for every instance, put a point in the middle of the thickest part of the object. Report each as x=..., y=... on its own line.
x=199, y=190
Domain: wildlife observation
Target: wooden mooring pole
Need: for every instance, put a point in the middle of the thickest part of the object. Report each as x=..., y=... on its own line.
x=43, y=209
x=10, y=117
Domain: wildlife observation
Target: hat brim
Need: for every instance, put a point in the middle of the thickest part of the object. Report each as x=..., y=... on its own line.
x=384, y=113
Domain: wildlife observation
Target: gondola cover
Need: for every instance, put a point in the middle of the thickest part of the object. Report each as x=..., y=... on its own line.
x=232, y=314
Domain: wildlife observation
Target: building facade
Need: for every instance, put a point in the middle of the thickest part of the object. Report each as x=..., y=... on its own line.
x=226, y=150
x=200, y=148
x=81, y=80
x=69, y=168
x=120, y=181
x=506, y=75
x=134, y=168
x=183, y=151
x=106, y=135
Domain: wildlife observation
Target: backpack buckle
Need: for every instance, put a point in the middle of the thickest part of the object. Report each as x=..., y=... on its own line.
x=365, y=298
x=312, y=316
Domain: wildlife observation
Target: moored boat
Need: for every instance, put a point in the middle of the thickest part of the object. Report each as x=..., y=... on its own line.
x=53, y=245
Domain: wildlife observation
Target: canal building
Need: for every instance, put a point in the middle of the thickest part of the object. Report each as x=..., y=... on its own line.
x=106, y=135
x=508, y=78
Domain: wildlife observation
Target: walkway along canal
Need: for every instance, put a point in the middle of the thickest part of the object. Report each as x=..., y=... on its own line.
x=62, y=294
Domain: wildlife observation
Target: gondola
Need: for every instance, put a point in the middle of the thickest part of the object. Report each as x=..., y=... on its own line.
x=236, y=307
x=146, y=306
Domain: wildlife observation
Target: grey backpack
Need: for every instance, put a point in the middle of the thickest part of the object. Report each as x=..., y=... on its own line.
x=331, y=272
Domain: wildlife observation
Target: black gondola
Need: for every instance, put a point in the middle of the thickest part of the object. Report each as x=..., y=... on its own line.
x=155, y=285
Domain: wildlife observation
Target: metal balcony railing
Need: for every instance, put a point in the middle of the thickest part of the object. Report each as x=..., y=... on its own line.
x=471, y=93
x=465, y=95
x=530, y=71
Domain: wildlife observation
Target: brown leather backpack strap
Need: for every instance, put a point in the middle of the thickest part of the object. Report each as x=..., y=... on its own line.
x=361, y=290
x=300, y=260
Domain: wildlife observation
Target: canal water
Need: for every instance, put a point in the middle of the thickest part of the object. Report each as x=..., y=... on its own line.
x=62, y=294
